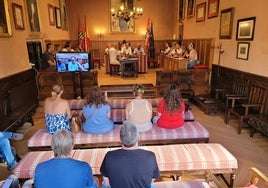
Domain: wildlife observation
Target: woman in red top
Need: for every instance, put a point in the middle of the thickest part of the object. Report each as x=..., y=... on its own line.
x=170, y=109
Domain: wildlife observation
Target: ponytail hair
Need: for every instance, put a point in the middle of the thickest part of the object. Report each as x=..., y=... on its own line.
x=56, y=89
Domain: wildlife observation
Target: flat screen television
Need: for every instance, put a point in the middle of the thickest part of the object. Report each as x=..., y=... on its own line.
x=73, y=61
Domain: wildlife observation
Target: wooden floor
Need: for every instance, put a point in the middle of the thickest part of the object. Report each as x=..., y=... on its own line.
x=248, y=151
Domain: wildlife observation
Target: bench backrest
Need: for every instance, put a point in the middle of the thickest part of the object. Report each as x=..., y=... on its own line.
x=25, y=94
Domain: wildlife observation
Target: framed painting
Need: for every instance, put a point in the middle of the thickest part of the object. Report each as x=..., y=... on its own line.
x=58, y=18
x=190, y=8
x=51, y=15
x=226, y=23
x=121, y=24
x=33, y=15
x=181, y=8
x=18, y=16
x=213, y=8
x=200, y=12
x=245, y=28
x=63, y=14
x=242, y=50
x=5, y=27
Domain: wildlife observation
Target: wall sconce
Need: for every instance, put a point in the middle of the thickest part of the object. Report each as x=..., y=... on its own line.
x=100, y=34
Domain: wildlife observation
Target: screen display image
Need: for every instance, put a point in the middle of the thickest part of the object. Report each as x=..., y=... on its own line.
x=73, y=61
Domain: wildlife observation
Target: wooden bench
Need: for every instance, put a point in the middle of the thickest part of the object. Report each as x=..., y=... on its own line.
x=191, y=132
x=118, y=106
x=178, y=159
x=126, y=90
x=19, y=99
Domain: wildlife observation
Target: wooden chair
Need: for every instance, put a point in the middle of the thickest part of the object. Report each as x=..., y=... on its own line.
x=184, y=79
x=252, y=104
x=96, y=60
x=114, y=68
x=238, y=95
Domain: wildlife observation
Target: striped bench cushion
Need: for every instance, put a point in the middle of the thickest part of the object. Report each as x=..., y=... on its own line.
x=170, y=158
x=182, y=184
x=189, y=133
x=118, y=108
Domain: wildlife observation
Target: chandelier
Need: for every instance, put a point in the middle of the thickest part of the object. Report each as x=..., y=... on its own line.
x=125, y=13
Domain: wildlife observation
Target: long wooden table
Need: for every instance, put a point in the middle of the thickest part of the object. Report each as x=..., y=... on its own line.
x=178, y=159
x=174, y=64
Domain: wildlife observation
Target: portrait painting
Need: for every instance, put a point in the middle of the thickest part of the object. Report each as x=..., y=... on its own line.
x=5, y=28
x=121, y=24
x=33, y=15
x=63, y=15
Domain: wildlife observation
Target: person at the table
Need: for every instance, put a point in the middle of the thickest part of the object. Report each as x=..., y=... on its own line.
x=126, y=50
x=138, y=50
x=170, y=109
x=192, y=56
x=176, y=50
x=139, y=110
x=62, y=170
x=130, y=166
x=167, y=49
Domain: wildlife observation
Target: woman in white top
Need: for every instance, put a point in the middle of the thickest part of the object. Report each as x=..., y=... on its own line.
x=139, y=110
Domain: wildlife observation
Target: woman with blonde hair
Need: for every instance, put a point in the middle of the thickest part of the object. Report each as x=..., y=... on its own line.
x=139, y=110
x=96, y=113
x=170, y=109
x=57, y=111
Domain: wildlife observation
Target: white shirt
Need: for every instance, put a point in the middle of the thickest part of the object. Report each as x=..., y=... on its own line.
x=113, y=55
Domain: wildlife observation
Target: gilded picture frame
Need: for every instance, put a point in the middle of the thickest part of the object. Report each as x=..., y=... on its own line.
x=226, y=23
x=5, y=27
x=18, y=16
x=121, y=25
x=63, y=14
x=213, y=8
x=201, y=12
x=51, y=15
x=58, y=17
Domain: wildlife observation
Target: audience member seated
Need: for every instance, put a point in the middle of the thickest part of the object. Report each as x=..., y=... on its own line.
x=62, y=170
x=170, y=109
x=57, y=111
x=67, y=47
x=96, y=113
x=126, y=50
x=6, y=149
x=48, y=62
x=139, y=50
x=12, y=181
x=129, y=166
x=139, y=110
x=167, y=49
x=74, y=65
x=192, y=56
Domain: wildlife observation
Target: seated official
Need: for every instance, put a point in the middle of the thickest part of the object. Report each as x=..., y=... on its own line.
x=167, y=49
x=139, y=110
x=129, y=167
x=96, y=113
x=170, y=109
x=57, y=111
x=67, y=47
x=138, y=50
x=192, y=56
x=62, y=170
x=176, y=50
x=126, y=50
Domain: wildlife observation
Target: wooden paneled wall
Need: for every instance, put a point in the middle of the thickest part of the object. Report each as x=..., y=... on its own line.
x=222, y=77
x=204, y=47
